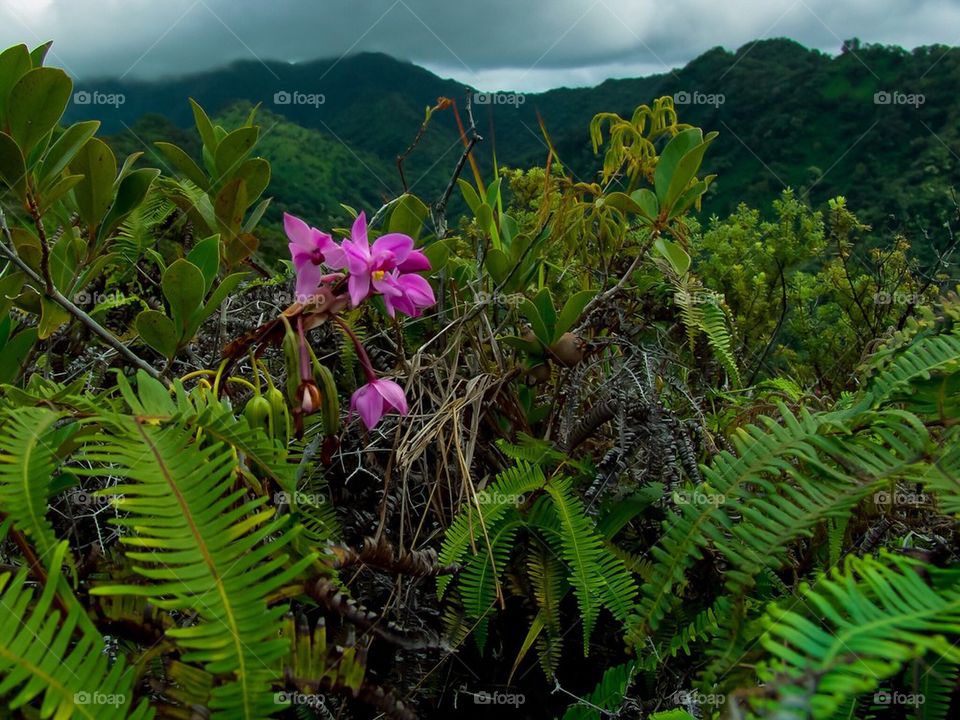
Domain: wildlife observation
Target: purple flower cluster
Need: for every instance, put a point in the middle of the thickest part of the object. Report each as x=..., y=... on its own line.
x=388, y=267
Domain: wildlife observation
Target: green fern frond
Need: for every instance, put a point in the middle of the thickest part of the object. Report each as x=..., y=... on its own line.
x=534, y=451
x=599, y=579
x=202, y=549
x=549, y=587
x=918, y=361
x=479, y=580
x=59, y=659
x=714, y=325
x=871, y=618
x=467, y=530
x=606, y=698
x=30, y=442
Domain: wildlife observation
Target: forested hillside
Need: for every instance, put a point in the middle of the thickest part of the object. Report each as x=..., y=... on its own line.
x=787, y=116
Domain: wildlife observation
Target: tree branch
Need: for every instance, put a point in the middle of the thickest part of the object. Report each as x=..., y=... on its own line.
x=63, y=302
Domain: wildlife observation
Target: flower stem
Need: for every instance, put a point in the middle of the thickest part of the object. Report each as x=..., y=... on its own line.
x=361, y=352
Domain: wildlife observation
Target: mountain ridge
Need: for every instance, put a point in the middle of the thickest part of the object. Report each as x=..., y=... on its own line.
x=787, y=116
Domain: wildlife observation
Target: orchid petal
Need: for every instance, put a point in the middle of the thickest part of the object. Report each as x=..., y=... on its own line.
x=298, y=232
x=397, y=244
x=367, y=402
x=416, y=261
x=393, y=395
x=308, y=278
x=359, y=233
x=359, y=286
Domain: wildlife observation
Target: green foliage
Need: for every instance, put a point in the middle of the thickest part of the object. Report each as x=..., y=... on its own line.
x=716, y=446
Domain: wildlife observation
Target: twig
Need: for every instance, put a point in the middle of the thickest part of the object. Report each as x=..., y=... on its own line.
x=442, y=104
x=63, y=302
x=44, y=245
x=472, y=138
x=776, y=330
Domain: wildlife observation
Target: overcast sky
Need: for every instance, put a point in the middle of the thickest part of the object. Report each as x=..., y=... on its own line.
x=521, y=45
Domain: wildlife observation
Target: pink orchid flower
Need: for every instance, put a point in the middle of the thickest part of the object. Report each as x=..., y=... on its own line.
x=408, y=293
x=370, y=265
x=310, y=248
x=373, y=400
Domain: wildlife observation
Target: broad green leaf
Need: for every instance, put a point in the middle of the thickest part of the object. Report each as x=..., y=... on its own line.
x=65, y=149
x=498, y=265
x=206, y=256
x=509, y=228
x=130, y=194
x=469, y=194
x=14, y=352
x=544, y=303
x=185, y=164
x=13, y=169
x=183, y=286
x=686, y=170
x=647, y=201
x=622, y=202
x=37, y=102
x=204, y=127
x=10, y=287
x=158, y=331
x=254, y=218
x=690, y=196
x=677, y=257
x=220, y=294
x=532, y=314
x=127, y=166
x=52, y=316
x=14, y=64
x=233, y=149
x=60, y=188
x=438, y=253
x=530, y=347
x=39, y=53
x=571, y=311
x=64, y=258
x=94, y=194
x=229, y=207
x=255, y=172
x=407, y=216
x=678, y=146
x=493, y=192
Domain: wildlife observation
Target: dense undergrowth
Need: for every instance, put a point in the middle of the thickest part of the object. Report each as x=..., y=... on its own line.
x=576, y=454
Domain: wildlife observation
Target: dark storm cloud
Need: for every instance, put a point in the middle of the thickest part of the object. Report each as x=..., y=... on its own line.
x=519, y=44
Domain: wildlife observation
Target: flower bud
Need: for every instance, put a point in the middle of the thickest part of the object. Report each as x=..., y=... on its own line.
x=279, y=415
x=309, y=396
x=257, y=412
